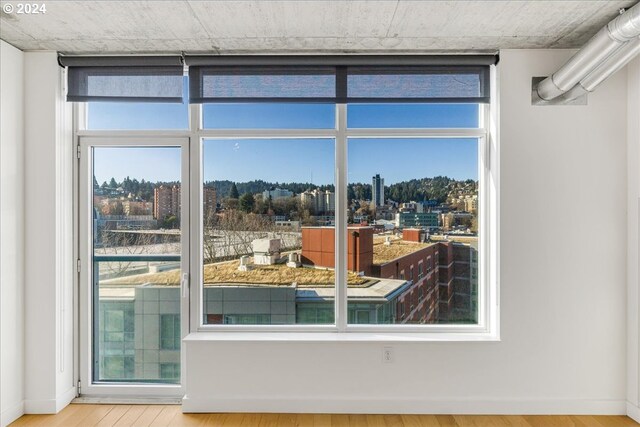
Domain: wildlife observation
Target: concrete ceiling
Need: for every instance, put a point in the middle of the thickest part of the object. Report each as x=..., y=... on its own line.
x=319, y=26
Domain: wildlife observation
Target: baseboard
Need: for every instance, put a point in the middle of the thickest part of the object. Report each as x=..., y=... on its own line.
x=108, y=400
x=49, y=406
x=633, y=412
x=63, y=400
x=407, y=406
x=11, y=414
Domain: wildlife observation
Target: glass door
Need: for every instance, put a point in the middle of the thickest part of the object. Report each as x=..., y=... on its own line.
x=134, y=264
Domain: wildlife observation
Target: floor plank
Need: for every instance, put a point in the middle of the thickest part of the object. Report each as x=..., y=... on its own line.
x=96, y=415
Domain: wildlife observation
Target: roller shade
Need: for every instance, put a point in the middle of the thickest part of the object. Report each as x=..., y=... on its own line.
x=326, y=79
x=352, y=79
x=261, y=84
x=141, y=79
x=418, y=84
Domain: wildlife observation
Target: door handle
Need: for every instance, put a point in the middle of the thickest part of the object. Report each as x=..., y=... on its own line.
x=184, y=283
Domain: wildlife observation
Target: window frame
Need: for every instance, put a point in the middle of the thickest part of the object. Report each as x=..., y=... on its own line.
x=488, y=250
x=342, y=134
x=86, y=335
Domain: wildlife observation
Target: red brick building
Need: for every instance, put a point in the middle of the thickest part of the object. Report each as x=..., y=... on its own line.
x=429, y=268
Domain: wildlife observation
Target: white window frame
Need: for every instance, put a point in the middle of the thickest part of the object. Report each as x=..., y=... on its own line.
x=487, y=327
x=487, y=284
x=85, y=140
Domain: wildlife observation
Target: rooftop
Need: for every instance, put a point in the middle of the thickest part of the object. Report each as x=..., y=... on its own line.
x=398, y=248
x=225, y=273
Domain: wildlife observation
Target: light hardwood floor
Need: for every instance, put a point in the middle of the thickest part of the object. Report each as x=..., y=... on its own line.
x=170, y=415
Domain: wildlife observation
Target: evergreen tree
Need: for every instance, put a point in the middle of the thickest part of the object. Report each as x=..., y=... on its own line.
x=247, y=202
x=233, y=193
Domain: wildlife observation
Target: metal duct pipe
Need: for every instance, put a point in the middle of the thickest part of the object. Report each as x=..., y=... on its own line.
x=606, y=41
x=605, y=70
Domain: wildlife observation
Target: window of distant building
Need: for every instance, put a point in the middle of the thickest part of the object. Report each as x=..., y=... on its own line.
x=169, y=332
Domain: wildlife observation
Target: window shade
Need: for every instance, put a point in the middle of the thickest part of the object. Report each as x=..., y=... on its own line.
x=314, y=79
x=261, y=84
x=142, y=79
x=423, y=84
x=333, y=79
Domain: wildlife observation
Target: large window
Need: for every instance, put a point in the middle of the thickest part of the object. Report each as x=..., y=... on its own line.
x=268, y=230
x=312, y=198
x=409, y=199
x=271, y=241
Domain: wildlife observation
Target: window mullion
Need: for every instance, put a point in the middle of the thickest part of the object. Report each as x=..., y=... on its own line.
x=341, y=218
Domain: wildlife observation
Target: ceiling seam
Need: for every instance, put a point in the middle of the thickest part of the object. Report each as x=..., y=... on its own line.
x=393, y=17
x=209, y=36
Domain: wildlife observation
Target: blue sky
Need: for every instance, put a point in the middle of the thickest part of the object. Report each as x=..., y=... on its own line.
x=309, y=160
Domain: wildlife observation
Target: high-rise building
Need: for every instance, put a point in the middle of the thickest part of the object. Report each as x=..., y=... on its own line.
x=320, y=202
x=166, y=201
x=209, y=201
x=377, y=191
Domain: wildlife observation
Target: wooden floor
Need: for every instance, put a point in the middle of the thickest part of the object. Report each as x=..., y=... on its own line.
x=170, y=415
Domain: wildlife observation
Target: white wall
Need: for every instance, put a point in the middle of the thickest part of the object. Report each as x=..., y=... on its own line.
x=633, y=244
x=12, y=232
x=563, y=289
x=49, y=384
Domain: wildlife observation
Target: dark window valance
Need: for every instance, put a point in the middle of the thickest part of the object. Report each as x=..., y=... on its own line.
x=358, y=78
x=133, y=79
x=319, y=79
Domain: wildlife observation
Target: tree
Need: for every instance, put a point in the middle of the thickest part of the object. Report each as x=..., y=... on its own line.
x=233, y=193
x=170, y=221
x=113, y=183
x=247, y=202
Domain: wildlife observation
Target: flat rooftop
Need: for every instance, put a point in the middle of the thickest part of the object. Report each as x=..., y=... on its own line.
x=398, y=248
x=227, y=273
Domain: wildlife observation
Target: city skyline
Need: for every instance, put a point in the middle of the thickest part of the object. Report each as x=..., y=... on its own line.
x=290, y=160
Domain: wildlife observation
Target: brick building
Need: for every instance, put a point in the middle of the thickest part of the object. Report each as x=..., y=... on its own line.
x=166, y=201
x=440, y=285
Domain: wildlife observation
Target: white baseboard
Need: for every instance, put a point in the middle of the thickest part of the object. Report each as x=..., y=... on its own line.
x=11, y=414
x=63, y=400
x=633, y=412
x=50, y=406
x=406, y=406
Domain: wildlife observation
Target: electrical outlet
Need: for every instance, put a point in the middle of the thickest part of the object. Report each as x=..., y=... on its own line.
x=387, y=354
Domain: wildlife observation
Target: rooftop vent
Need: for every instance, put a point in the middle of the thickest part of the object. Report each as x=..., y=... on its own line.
x=245, y=265
x=266, y=251
x=294, y=260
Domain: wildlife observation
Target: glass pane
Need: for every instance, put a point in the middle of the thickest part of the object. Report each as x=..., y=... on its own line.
x=138, y=115
x=269, y=238
x=413, y=115
x=269, y=116
x=413, y=231
x=136, y=263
